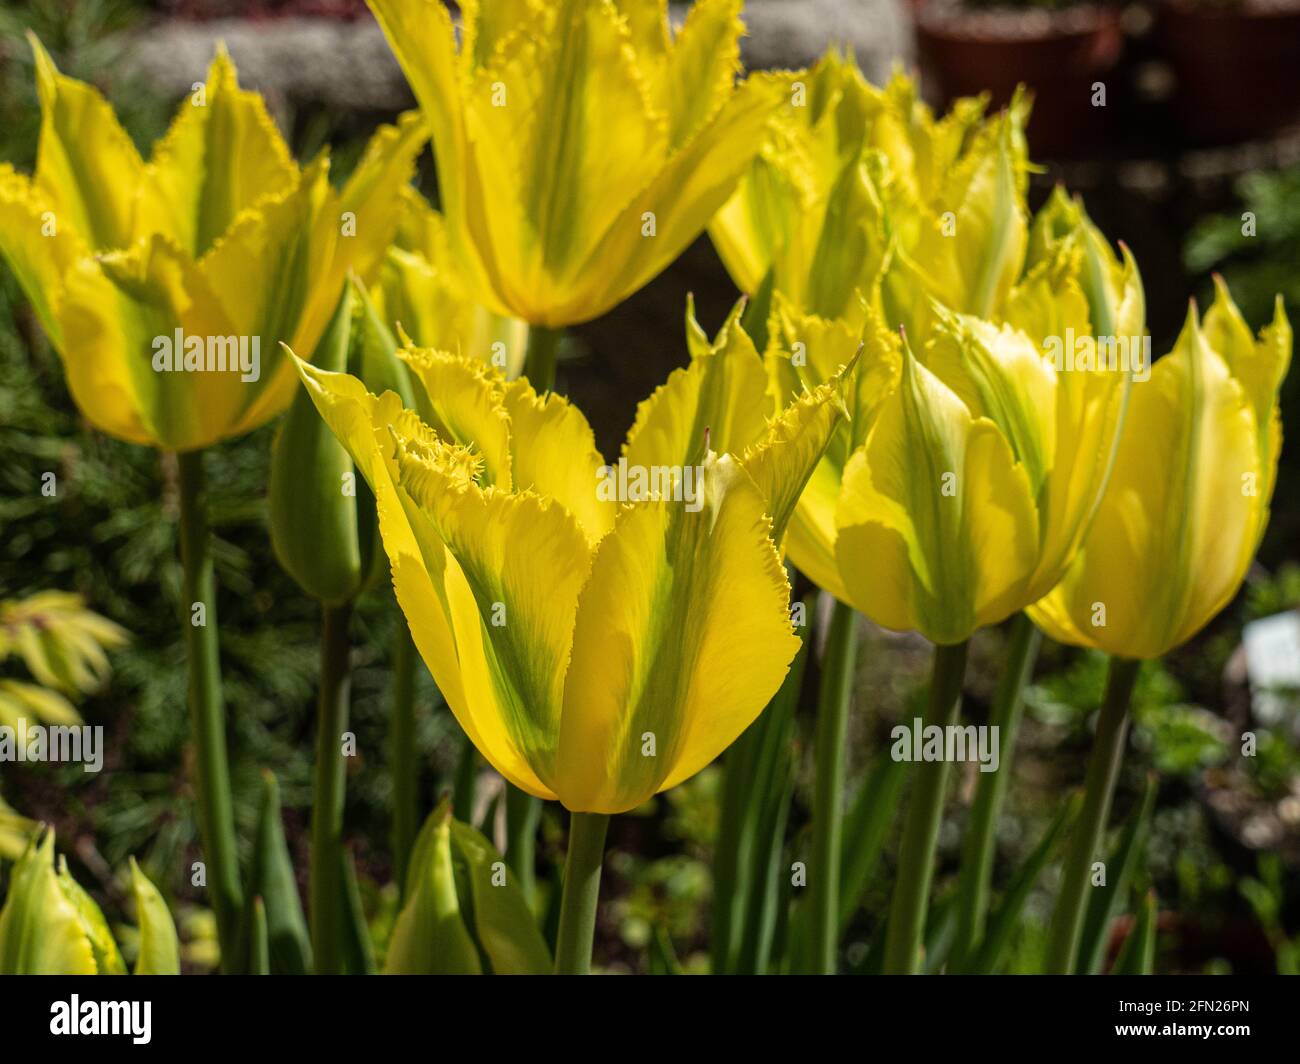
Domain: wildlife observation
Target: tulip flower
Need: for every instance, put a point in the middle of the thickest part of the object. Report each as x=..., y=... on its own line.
x=581, y=145
x=148, y=276
x=853, y=178
x=967, y=431
x=595, y=653
x=1189, y=497
x=50, y=926
x=165, y=287
x=977, y=439
x=1173, y=537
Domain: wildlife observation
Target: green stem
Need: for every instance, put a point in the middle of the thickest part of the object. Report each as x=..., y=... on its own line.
x=921, y=828
x=990, y=792
x=539, y=361
x=207, y=710
x=581, y=892
x=523, y=812
x=462, y=795
x=828, y=800
x=326, y=887
x=1099, y=788
x=404, y=764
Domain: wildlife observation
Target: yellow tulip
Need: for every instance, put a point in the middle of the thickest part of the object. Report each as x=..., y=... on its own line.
x=962, y=488
x=854, y=178
x=49, y=925
x=595, y=653
x=581, y=145
x=1189, y=498
x=421, y=291
x=152, y=279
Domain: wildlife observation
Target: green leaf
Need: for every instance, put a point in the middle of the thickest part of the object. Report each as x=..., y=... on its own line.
x=259, y=950
x=358, y=952
x=430, y=936
x=865, y=828
x=1138, y=954
x=160, y=952
x=757, y=786
x=500, y=918
x=1107, y=902
x=991, y=952
x=272, y=879
x=663, y=958
x=940, y=930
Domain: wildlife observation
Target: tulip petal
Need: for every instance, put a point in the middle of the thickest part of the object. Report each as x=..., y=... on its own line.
x=971, y=246
x=38, y=249
x=937, y=526
x=40, y=928
x=722, y=392
x=372, y=198
x=524, y=559
x=86, y=165
x=1260, y=366
x=276, y=273
x=461, y=401
x=1173, y=536
x=221, y=156
x=682, y=637
x=999, y=374
x=485, y=25
x=423, y=39
x=114, y=314
x=554, y=454
x=777, y=214
x=576, y=125
x=682, y=197
x=423, y=570
x=108, y=961
x=702, y=66
x=783, y=458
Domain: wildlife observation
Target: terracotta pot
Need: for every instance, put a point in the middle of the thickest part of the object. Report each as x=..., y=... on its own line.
x=1061, y=55
x=1236, y=67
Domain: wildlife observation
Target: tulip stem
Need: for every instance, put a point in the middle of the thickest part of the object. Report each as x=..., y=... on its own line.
x=405, y=767
x=523, y=812
x=581, y=893
x=981, y=828
x=1099, y=788
x=327, y=887
x=921, y=828
x=207, y=709
x=539, y=361
x=463, y=786
x=834, y=696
